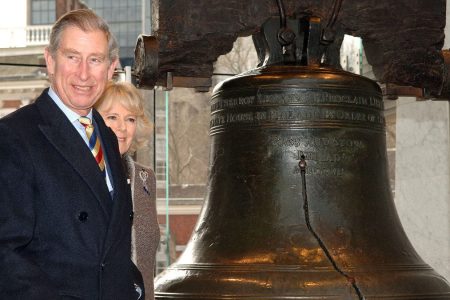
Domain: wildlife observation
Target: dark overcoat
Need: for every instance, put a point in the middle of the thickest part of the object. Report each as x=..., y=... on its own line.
x=62, y=236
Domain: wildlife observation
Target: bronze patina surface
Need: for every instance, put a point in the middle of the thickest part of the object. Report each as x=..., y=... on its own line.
x=298, y=204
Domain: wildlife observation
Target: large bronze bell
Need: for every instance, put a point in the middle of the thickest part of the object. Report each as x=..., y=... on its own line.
x=298, y=204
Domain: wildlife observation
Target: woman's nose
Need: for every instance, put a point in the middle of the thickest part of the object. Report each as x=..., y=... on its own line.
x=121, y=126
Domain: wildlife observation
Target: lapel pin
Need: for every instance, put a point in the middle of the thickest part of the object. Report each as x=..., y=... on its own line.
x=143, y=174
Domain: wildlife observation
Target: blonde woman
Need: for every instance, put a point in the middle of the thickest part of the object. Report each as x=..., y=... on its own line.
x=121, y=106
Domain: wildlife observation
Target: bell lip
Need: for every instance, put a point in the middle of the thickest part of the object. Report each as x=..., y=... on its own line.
x=179, y=282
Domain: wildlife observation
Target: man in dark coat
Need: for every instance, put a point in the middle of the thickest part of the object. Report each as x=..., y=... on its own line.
x=66, y=212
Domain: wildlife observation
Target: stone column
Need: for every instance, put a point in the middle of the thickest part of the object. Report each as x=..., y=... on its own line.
x=422, y=178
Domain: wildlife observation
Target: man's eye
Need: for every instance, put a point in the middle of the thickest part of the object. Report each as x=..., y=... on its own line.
x=72, y=57
x=96, y=60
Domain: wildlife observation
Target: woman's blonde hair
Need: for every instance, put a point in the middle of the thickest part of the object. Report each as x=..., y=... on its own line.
x=131, y=99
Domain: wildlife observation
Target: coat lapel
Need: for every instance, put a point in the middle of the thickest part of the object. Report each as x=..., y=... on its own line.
x=111, y=149
x=66, y=140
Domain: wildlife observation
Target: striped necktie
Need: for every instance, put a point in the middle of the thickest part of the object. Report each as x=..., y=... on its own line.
x=94, y=142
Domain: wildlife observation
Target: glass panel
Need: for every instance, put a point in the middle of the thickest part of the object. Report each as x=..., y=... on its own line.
x=182, y=156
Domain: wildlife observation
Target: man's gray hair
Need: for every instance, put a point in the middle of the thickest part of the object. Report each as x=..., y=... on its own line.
x=86, y=20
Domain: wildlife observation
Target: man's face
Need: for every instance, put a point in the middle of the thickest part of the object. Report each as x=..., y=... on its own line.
x=80, y=68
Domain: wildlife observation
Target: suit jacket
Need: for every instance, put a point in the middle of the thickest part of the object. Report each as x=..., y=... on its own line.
x=146, y=233
x=61, y=234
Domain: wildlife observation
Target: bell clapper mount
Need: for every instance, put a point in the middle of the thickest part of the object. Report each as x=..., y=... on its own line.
x=302, y=165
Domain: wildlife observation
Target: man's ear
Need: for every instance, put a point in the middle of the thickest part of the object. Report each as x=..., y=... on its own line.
x=50, y=61
x=112, y=67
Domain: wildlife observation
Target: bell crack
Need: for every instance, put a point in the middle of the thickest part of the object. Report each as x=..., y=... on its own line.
x=350, y=279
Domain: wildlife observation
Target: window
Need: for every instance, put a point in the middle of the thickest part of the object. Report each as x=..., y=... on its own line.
x=43, y=12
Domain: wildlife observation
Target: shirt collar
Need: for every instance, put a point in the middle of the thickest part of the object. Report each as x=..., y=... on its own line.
x=70, y=114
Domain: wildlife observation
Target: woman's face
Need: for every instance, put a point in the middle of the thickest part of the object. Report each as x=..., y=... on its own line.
x=123, y=123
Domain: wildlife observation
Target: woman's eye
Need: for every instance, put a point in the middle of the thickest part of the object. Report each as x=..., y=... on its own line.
x=132, y=120
x=112, y=118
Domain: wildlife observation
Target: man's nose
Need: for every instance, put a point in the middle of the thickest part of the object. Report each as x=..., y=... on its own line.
x=83, y=70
